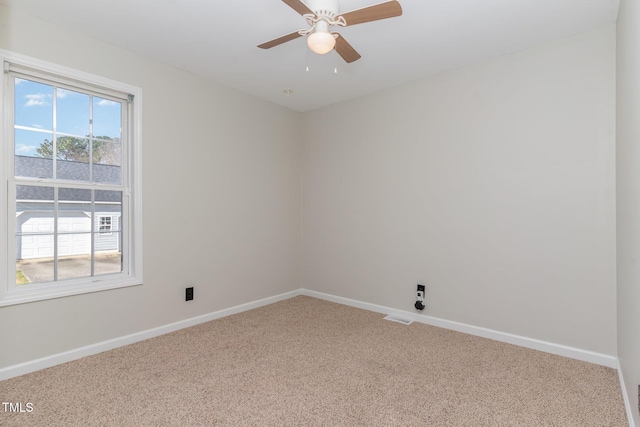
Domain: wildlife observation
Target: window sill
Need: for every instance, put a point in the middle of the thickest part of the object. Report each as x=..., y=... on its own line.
x=57, y=290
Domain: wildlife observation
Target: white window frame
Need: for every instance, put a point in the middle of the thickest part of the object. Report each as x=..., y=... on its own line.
x=106, y=231
x=131, y=219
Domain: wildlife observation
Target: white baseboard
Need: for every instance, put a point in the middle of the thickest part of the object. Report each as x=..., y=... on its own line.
x=548, y=347
x=625, y=396
x=48, y=361
x=68, y=356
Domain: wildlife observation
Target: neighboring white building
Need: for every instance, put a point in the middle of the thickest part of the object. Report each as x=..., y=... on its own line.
x=35, y=212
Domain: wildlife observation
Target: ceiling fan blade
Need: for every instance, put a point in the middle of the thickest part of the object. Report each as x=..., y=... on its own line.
x=279, y=40
x=298, y=6
x=345, y=50
x=373, y=13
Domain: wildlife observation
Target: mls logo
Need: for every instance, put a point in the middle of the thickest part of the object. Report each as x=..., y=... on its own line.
x=17, y=407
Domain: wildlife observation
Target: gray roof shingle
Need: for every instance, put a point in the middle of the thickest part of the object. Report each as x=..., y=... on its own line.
x=38, y=167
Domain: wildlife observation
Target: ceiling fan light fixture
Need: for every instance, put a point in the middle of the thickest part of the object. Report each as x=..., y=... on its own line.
x=321, y=42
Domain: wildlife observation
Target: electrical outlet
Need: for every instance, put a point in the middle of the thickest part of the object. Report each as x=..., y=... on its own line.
x=419, y=305
x=188, y=294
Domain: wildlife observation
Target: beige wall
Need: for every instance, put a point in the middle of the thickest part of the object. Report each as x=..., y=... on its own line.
x=494, y=185
x=221, y=200
x=628, y=196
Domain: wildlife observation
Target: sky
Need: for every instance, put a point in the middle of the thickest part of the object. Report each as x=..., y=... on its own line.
x=34, y=115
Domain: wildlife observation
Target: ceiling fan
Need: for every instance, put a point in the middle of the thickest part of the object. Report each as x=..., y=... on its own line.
x=321, y=15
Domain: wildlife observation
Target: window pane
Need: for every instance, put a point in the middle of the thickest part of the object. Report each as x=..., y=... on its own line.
x=74, y=195
x=107, y=159
x=72, y=149
x=108, y=210
x=33, y=143
x=107, y=152
x=73, y=158
x=73, y=266
x=72, y=112
x=107, y=119
x=33, y=154
x=33, y=104
x=107, y=174
x=34, y=233
x=36, y=270
x=76, y=171
x=74, y=233
x=31, y=200
x=74, y=215
x=108, y=247
x=108, y=261
x=105, y=198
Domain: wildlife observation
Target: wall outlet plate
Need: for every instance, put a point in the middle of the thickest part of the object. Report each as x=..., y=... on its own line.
x=188, y=296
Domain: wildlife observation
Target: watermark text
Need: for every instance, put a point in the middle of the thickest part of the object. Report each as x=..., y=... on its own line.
x=17, y=407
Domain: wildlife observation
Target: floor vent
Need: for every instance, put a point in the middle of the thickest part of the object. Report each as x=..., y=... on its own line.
x=398, y=320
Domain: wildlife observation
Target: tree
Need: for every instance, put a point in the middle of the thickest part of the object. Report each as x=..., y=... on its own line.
x=106, y=150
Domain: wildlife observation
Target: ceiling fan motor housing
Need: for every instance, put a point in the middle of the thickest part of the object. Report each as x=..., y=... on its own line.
x=324, y=8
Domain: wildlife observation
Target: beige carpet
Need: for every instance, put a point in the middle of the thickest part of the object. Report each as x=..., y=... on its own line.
x=308, y=362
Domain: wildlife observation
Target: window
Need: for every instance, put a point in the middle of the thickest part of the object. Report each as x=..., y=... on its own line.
x=105, y=225
x=72, y=184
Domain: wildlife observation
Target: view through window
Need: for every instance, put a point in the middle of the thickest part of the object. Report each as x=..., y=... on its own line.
x=65, y=231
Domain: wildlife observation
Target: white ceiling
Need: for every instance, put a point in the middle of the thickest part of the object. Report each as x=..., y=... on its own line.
x=218, y=39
